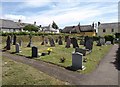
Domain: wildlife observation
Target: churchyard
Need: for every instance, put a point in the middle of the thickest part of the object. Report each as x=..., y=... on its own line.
x=16, y=73
x=53, y=49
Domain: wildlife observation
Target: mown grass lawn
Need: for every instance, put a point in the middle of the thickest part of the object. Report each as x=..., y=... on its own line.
x=60, y=51
x=15, y=73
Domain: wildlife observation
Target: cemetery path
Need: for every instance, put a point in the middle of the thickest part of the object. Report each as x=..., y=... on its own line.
x=105, y=74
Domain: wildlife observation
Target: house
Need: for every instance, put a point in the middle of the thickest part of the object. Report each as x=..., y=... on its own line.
x=49, y=29
x=83, y=30
x=108, y=28
x=9, y=26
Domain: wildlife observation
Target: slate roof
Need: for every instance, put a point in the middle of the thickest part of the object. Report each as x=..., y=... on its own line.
x=8, y=24
x=78, y=29
x=109, y=25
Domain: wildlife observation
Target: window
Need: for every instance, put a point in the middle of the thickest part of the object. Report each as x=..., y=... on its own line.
x=104, y=30
x=112, y=30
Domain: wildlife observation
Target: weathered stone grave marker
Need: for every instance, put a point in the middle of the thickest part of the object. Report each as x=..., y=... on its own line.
x=77, y=60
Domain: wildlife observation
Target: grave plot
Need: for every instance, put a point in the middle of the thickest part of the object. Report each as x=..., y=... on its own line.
x=60, y=52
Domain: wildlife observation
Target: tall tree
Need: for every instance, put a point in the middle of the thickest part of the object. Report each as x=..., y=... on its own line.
x=54, y=25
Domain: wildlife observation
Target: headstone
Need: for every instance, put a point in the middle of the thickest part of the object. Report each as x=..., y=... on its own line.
x=80, y=50
x=42, y=40
x=77, y=60
x=74, y=42
x=17, y=48
x=14, y=40
x=66, y=37
x=52, y=43
x=85, y=39
x=68, y=42
x=30, y=42
x=101, y=42
x=34, y=51
x=60, y=41
x=8, y=43
x=20, y=42
x=11, y=39
x=56, y=40
x=82, y=42
x=89, y=44
x=108, y=43
x=46, y=41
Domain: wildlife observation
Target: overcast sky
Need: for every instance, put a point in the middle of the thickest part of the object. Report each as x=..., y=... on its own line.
x=63, y=12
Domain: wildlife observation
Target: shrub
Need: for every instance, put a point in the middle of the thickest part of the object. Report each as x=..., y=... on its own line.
x=109, y=38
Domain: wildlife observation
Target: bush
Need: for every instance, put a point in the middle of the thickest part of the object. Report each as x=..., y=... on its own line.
x=109, y=38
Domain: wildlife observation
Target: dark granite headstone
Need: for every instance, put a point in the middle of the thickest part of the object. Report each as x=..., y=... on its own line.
x=56, y=40
x=34, y=51
x=52, y=43
x=66, y=37
x=80, y=50
x=89, y=44
x=60, y=41
x=14, y=40
x=74, y=42
x=8, y=43
x=85, y=39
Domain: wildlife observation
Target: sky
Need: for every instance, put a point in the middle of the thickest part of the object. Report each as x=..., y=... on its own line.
x=62, y=12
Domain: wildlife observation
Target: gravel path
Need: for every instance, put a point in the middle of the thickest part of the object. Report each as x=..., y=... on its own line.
x=105, y=74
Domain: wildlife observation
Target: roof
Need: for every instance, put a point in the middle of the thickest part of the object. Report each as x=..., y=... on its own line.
x=78, y=29
x=8, y=24
x=109, y=25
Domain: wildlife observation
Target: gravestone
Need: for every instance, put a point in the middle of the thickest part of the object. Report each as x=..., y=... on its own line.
x=46, y=40
x=80, y=50
x=42, y=40
x=68, y=43
x=20, y=42
x=8, y=43
x=108, y=43
x=60, y=41
x=52, y=43
x=89, y=44
x=82, y=42
x=66, y=37
x=56, y=40
x=34, y=51
x=14, y=40
x=101, y=42
x=30, y=42
x=85, y=39
x=17, y=46
x=11, y=39
x=74, y=42
x=77, y=60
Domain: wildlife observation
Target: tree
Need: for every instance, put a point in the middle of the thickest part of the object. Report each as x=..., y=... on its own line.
x=31, y=28
x=54, y=25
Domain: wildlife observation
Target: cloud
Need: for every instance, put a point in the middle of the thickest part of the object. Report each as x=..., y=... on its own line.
x=66, y=13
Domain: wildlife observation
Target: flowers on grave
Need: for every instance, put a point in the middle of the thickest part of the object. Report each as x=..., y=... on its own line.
x=62, y=60
x=49, y=50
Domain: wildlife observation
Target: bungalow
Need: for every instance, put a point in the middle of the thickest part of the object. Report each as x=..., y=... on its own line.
x=108, y=28
x=9, y=26
x=49, y=29
x=83, y=30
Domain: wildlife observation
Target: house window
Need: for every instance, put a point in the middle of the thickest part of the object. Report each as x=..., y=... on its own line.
x=104, y=30
x=112, y=30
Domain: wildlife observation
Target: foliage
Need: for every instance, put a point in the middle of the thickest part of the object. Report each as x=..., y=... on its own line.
x=54, y=25
x=109, y=38
x=31, y=28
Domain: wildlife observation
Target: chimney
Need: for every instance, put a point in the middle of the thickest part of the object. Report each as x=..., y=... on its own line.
x=19, y=21
x=35, y=23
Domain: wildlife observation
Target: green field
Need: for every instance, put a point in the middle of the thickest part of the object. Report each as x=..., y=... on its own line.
x=60, y=51
x=15, y=73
